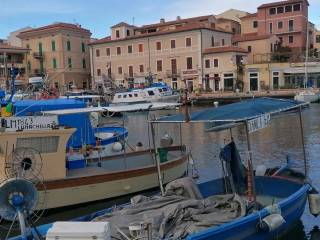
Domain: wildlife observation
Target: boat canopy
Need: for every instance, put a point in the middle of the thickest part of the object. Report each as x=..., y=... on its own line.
x=236, y=112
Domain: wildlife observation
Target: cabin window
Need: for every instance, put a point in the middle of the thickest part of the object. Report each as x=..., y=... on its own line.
x=151, y=93
x=125, y=96
x=130, y=95
x=136, y=95
x=119, y=96
x=41, y=144
x=164, y=89
x=160, y=90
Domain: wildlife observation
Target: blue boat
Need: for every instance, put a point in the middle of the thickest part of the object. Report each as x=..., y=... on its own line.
x=274, y=199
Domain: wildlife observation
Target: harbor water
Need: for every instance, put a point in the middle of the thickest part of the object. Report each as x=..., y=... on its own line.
x=270, y=146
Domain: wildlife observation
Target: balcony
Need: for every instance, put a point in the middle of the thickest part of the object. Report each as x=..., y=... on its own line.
x=174, y=73
x=38, y=55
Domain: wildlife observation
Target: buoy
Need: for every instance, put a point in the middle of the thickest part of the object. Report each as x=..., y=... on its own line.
x=117, y=147
x=314, y=204
x=139, y=146
x=261, y=170
x=271, y=222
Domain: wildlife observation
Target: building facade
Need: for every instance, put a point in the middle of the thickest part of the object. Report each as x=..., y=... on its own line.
x=12, y=56
x=166, y=52
x=288, y=20
x=59, y=50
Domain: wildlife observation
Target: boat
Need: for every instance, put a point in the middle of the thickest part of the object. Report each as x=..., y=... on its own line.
x=89, y=97
x=159, y=92
x=242, y=204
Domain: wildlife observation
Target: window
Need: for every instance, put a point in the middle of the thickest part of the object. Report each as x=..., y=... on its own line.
x=84, y=65
x=207, y=63
x=188, y=42
x=40, y=48
x=130, y=95
x=28, y=46
x=53, y=45
x=119, y=96
x=288, y=8
x=249, y=49
x=69, y=62
x=253, y=81
x=128, y=32
x=222, y=41
x=117, y=33
x=158, y=46
x=215, y=63
x=118, y=50
x=189, y=63
x=151, y=93
x=41, y=144
x=280, y=40
x=255, y=24
x=54, y=63
x=270, y=27
x=119, y=70
x=296, y=7
x=291, y=25
x=271, y=47
x=108, y=51
x=275, y=80
x=280, y=25
x=141, y=68
x=135, y=94
x=159, y=66
x=212, y=41
x=68, y=45
x=174, y=66
x=290, y=39
x=140, y=46
x=228, y=81
x=83, y=47
x=97, y=53
x=317, y=38
x=130, y=49
x=98, y=72
x=272, y=11
x=280, y=10
x=173, y=43
x=131, y=71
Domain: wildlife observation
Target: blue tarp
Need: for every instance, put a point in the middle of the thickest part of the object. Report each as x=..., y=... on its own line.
x=84, y=134
x=237, y=112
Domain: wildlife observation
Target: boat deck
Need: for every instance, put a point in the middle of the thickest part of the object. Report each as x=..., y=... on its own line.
x=118, y=164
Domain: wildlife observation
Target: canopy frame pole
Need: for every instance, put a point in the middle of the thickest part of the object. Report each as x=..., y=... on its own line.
x=180, y=135
x=303, y=143
x=250, y=167
x=157, y=161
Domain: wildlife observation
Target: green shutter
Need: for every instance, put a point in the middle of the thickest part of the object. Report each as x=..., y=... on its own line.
x=84, y=63
x=53, y=45
x=83, y=47
x=54, y=63
x=69, y=63
x=68, y=45
x=40, y=48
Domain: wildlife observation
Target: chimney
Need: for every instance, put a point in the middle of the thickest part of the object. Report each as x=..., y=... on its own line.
x=162, y=20
x=178, y=18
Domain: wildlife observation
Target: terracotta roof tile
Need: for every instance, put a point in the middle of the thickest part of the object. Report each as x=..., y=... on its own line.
x=275, y=4
x=251, y=15
x=188, y=27
x=55, y=26
x=122, y=24
x=250, y=37
x=224, y=49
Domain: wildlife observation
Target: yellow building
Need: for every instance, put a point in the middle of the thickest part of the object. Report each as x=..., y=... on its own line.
x=59, y=50
x=168, y=51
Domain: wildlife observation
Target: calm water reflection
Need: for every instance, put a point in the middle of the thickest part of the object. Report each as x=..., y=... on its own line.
x=270, y=147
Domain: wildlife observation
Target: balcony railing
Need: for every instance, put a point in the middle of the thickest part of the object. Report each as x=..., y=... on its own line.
x=174, y=73
x=38, y=55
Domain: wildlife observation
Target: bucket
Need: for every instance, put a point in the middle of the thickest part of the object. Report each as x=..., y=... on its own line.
x=163, y=154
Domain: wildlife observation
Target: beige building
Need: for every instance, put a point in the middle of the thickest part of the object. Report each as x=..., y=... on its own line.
x=12, y=56
x=317, y=40
x=13, y=40
x=59, y=50
x=168, y=51
x=223, y=68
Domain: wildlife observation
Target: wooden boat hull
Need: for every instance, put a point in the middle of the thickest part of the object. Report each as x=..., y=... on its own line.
x=66, y=192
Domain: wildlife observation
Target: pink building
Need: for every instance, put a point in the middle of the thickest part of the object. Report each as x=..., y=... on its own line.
x=288, y=20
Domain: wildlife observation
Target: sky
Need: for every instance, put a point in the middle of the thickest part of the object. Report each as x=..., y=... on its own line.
x=99, y=15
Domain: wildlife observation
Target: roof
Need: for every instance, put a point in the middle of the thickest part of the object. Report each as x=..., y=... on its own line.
x=189, y=27
x=122, y=24
x=250, y=37
x=237, y=112
x=224, y=49
x=9, y=48
x=275, y=4
x=250, y=15
x=183, y=20
x=55, y=26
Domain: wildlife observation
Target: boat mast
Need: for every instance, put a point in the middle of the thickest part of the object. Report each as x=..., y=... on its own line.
x=302, y=141
x=306, y=59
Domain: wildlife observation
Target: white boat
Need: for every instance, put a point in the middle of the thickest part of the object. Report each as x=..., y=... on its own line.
x=307, y=96
x=157, y=93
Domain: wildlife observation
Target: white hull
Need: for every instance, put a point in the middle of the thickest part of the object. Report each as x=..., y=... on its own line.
x=308, y=97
